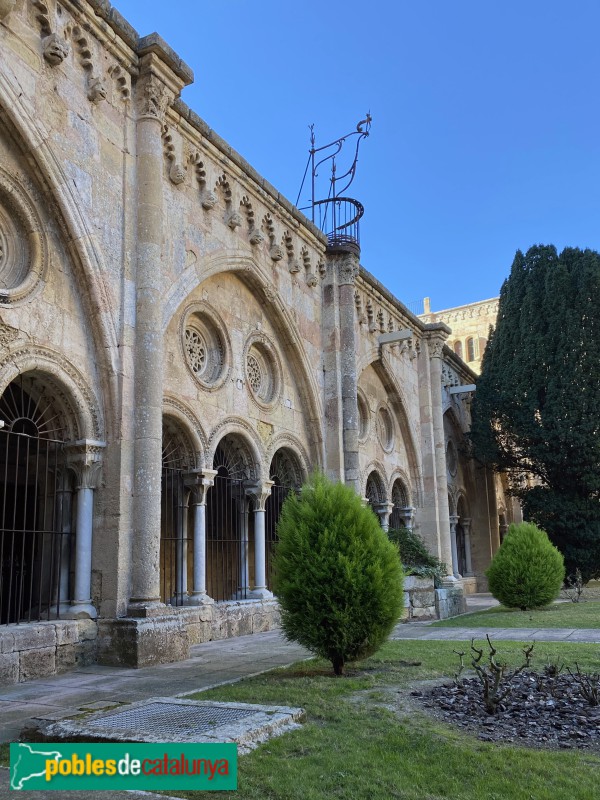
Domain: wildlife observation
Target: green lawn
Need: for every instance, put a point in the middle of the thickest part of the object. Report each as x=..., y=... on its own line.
x=558, y=615
x=353, y=747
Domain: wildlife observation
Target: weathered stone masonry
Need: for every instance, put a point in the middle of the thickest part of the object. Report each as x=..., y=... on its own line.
x=179, y=347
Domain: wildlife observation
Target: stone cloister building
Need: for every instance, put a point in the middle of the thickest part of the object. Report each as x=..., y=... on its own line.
x=179, y=347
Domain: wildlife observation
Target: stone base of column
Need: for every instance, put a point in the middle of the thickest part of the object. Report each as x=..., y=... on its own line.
x=199, y=599
x=79, y=611
x=139, y=642
x=260, y=593
x=151, y=607
x=450, y=582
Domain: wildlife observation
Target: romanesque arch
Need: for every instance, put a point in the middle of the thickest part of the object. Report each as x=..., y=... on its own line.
x=289, y=339
x=49, y=468
x=229, y=525
x=35, y=142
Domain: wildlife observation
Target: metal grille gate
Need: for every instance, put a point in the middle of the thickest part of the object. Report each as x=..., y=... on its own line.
x=35, y=528
x=175, y=541
x=229, y=537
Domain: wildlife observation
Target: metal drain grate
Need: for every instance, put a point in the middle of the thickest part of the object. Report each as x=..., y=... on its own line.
x=169, y=719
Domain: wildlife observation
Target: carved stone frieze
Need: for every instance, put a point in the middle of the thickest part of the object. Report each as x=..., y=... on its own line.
x=208, y=200
x=97, y=90
x=55, y=49
x=256, y=237
x=276, y=252
x=234, y=220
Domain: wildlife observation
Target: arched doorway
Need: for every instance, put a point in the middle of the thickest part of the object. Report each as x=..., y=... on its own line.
x=176, y=543
x=229, y=527
x=375, y=496
x=402, y=513
x=286, y=473
x=36, y=505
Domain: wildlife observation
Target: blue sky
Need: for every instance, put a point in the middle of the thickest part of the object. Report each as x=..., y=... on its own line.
x=485, y=135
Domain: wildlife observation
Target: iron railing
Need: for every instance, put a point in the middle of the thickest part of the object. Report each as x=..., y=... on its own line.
x=175, y=541
x=229, y=540
x=36, y=536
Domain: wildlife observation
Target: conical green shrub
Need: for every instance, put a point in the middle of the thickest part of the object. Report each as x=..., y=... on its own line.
x=527, y=571
x=337, y=576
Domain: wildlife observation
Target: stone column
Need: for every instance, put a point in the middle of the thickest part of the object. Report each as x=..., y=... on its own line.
x=453, y=519
x=85, y=461
x=201, y=482
x=63, y=512
x=156, y=86
x=181, y=580
x=466, y=526
x=259, y=492
x=436, y=335
x=346, y=265
x=383, y=511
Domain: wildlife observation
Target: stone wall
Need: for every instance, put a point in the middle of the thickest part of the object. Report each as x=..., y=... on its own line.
x=37, y=650
x=168, y=636
x=449, y=602
x=419, y=598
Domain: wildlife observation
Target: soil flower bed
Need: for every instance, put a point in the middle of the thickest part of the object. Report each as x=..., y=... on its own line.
x=540, y=711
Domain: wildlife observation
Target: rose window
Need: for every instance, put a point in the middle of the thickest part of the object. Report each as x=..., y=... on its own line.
x=196, y=350
x=385, y=429
x=204, y=349
x=255, y=376
x=263, y=373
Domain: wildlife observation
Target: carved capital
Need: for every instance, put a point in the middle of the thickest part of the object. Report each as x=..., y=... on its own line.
x=152, y=97
x=84, y=458
x=435, y=343
x=258, y=491
x=257, y=237
x=200, y=481
x=347, y=269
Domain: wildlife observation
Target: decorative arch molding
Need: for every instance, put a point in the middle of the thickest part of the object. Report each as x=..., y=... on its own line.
x=379, y=469
x=289, y=340
x=83, y=412
x=400, y=475
x=461, y=499
x=172, y=407
x=288, y=442
x=77, y=233
x=397, y=401
x=239, y=427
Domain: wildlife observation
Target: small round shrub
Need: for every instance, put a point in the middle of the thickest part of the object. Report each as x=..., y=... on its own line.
x=337, y=576
x=527, y=571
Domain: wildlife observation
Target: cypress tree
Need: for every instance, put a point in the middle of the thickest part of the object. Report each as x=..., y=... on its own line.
x=536, y=411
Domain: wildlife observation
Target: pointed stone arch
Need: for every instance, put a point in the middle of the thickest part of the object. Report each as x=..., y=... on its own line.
x=78, y=237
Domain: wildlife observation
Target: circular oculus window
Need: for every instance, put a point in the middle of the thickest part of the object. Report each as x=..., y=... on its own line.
x=385, y=429
x=262, y=373
x=204, y=349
